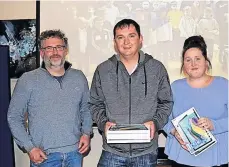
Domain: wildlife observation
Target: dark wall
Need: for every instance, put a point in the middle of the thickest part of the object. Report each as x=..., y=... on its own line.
x=6, y=142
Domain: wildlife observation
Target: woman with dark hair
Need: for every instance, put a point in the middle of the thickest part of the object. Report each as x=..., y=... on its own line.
x=209, y=96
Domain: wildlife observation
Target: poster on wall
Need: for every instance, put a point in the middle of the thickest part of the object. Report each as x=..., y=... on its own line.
x=20, y=36
x=164, y=25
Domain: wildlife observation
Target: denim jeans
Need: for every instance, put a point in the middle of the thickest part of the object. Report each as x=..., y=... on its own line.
x=57, y=159
x=174, y=164
x=108, y=159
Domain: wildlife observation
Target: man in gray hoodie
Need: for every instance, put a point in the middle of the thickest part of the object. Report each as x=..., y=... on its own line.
x=55, y=98
x=130, y=88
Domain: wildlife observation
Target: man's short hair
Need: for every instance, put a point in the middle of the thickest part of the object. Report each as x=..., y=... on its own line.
x=126, y=23
x=52, y=34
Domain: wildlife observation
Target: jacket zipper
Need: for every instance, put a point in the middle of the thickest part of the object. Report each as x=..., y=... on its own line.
x=60, y=83
x=130, y=109
x=61, y=86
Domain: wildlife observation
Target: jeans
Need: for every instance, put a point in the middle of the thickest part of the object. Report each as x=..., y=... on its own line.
x=174, y=164
x=57, y=159
x=108, y=159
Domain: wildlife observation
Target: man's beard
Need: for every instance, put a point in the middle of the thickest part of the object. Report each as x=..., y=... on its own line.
x=54, y=64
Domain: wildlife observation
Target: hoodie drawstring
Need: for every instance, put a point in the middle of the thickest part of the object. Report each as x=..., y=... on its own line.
x=145, y=80
x=145, y=77
x=117, y=74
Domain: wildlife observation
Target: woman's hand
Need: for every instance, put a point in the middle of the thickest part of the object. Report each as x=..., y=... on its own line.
x=179, y=139
x=205, y=123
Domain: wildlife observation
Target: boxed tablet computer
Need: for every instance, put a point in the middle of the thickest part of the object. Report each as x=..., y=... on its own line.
x=125, y=133
x=197, y=138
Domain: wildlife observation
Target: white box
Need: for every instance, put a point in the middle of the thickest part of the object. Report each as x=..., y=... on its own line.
x=134, y=133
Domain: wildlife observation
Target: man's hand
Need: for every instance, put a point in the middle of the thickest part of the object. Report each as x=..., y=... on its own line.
x=150, y=125
x=37, y=156
x=205, y=123
x=107, y=126
x=84, y=143
x=179, y=139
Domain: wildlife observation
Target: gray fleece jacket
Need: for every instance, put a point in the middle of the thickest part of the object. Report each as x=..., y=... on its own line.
x=143, y=96
x=58, y=112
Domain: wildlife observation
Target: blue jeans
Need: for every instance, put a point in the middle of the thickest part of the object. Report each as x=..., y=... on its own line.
x=108, y=159
x=57, y=159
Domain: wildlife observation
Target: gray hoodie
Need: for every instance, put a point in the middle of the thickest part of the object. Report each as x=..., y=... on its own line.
x=143, y=96
x=58, y=112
